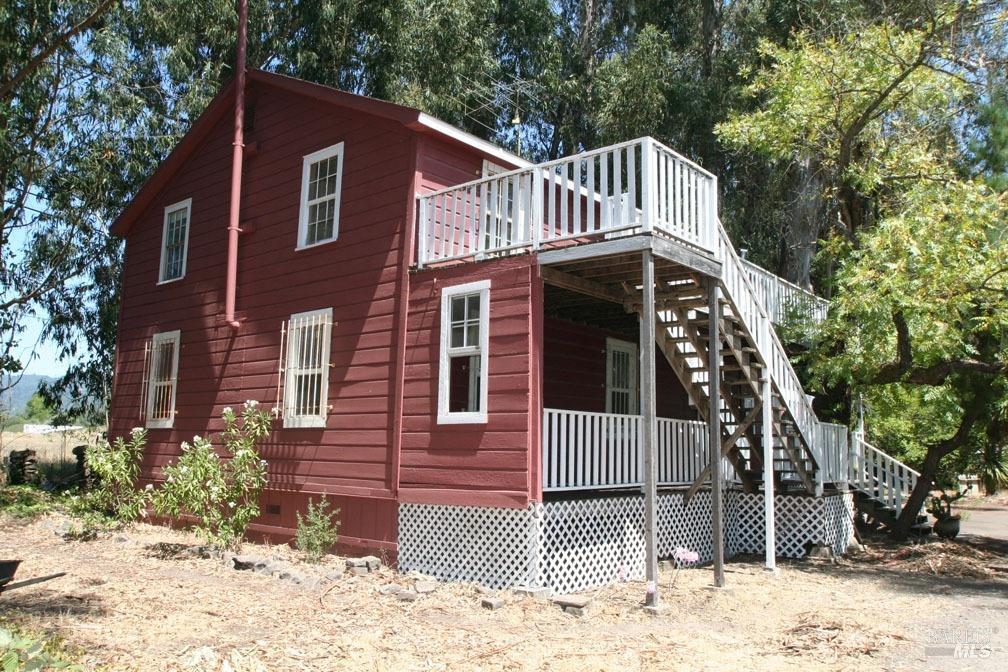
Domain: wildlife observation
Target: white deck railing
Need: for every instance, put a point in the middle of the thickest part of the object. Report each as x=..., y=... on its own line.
x=633, y=186
x=583, y=451
x=745, y=302
x=835, y=451
x=637, y=186
x=784, y=300
x=880, y=475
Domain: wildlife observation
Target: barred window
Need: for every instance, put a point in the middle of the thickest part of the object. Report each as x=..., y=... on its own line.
x=321, y=180
x=175, y=241
x=306, y=373
x=462, y=384
x=161, y=384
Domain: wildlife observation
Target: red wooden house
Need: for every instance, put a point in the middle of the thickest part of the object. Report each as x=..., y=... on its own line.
x=465, y=351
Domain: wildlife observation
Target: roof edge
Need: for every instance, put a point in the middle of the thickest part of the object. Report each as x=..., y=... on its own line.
x=434, y=124
x=407, y=116
x=166, y=169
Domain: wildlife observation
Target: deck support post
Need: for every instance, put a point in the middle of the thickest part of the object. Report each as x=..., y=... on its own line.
x=770, y=534
x=649, y=426
x=714, y=426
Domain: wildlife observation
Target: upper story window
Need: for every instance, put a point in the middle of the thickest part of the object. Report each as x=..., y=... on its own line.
x=462, y=379
x=306, y=386
x=175, y=241
x=162, y=381
x=321, y=180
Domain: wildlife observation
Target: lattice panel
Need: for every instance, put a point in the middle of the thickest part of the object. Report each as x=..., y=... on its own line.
x=577, y=544
x=799, y=521
x=496, y=547
x=592, y=542
x=688, y=525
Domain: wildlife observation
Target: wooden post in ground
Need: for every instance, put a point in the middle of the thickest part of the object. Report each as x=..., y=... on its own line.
x=714, y=426
x=649, y=426
x=770, y=534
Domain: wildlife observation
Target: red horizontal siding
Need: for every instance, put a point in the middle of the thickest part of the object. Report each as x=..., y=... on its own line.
x=358, y=276
x=574, y=372
x=471, y=464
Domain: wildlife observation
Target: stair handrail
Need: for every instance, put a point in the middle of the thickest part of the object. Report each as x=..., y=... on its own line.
x=771, y=350
x=880, y=474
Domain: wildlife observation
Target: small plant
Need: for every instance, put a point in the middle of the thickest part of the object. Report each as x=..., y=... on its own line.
x=116, y=468
x=24, y=652
x=941, y=507
x=222, y=494
x=318, y=531
x=25, y=501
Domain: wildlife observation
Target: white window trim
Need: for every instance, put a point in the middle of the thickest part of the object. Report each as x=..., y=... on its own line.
x=156, y=340
x=490, y=168
x=187, y=204
x=444, y=373
x=634, y=350
x=291, y=420
x=337, y=151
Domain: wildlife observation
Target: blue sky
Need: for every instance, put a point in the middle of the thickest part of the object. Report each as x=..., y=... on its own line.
x=42, y=359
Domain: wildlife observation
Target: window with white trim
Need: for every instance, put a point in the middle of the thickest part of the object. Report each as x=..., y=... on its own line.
x=161, y=385
x=306, y=372
x=321, y=181
x=175, y=241
x=462, y=375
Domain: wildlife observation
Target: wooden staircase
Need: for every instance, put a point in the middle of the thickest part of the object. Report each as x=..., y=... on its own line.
x=682, y=331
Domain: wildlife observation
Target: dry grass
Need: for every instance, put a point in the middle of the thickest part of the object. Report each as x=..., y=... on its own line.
x=935, y=557
x=131, y=607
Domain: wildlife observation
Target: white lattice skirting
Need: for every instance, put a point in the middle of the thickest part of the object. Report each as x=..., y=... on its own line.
x=576, y=544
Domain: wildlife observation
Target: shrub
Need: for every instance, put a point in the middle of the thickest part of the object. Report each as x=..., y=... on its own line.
x=318, y=531
x=116, y=468
x=25, y=501
x=26, y=651
x=222, y=494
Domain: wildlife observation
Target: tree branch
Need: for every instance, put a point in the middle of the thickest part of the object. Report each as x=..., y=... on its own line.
x=8, y=87
x=903, y=370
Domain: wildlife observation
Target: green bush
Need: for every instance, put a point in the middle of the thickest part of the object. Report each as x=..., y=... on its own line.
x=25, y=501
x=22, y=652
x=116, y=468
x=222, y=494
x=318, y=531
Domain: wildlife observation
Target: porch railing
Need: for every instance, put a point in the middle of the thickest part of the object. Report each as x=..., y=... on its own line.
x=880, y=475
x=583, y=451
x=746, y=304
x=640, y=185
x=832, y=439
x=784, y=300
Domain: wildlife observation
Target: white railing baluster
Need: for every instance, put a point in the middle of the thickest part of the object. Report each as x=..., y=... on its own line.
x=584, y=450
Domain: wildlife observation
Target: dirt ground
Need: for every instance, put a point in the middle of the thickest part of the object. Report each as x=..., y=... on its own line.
x=128, y=606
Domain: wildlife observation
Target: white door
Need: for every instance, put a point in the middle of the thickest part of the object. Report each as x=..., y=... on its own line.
x=621, y=377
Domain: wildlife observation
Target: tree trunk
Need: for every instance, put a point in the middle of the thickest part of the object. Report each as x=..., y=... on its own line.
x=936, y=452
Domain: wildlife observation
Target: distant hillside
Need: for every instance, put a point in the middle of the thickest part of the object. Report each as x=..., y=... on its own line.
x=13, y=400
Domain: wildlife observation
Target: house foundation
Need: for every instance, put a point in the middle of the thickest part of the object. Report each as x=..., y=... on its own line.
x=587, y=542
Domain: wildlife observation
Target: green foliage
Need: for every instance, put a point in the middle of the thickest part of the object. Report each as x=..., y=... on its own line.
x=26, y=652
x=632, y=95
x=222, y=494
x=36, y=410
x=116, y=467
x=25, y=501
x=318, y=531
